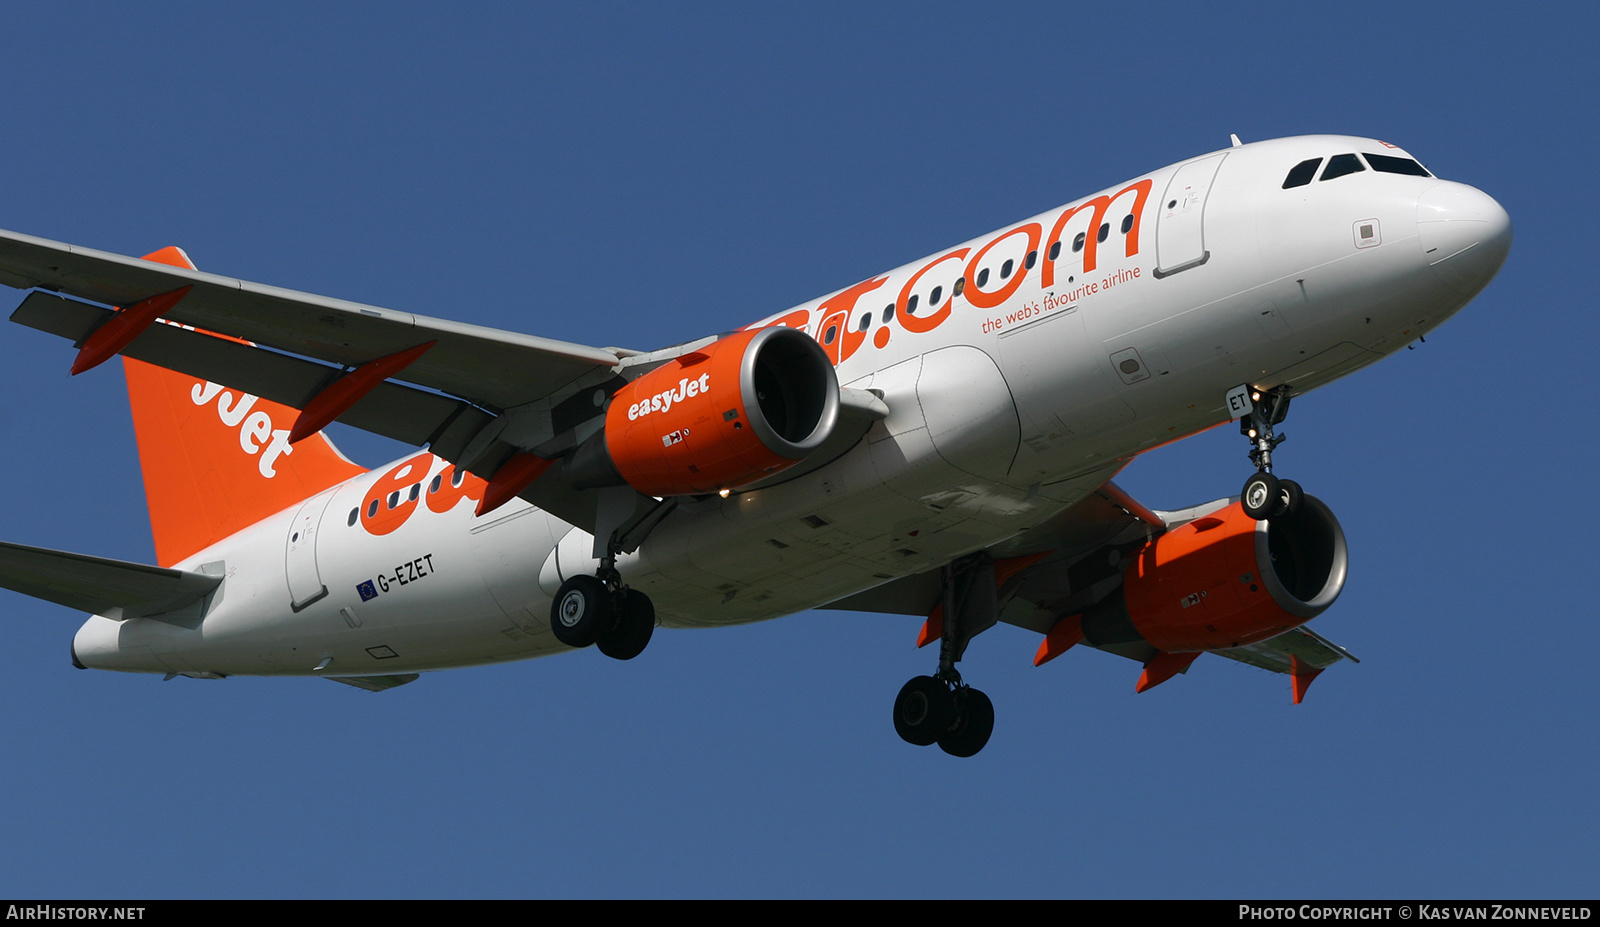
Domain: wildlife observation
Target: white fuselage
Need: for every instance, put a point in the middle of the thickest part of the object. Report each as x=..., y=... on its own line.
x=1007, y=403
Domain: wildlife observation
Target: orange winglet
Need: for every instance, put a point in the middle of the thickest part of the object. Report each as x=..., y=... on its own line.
x=1164, y=666
x=1300, y=676
x=512, y=478
x=346, y=391
x=120, y=330
x=933, y=628
x=1062, y=637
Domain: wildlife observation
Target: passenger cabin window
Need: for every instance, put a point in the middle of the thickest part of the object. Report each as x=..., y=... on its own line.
x=1055, y=250
x=1392, y=165
x=888, y=312
x=354, y=514
x=1301, y=173
x=933, y=298
x=1077, y=243
x=1005, y=270
x=866, y=322
x=1105, y=230
x=1342, y=164
x=1127, y=224
x=1028, y=261
x=983, y=277
x=911, y=305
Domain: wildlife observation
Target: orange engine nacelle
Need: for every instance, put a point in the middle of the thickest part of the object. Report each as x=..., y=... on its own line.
x=1225, y=580
x=725, y=416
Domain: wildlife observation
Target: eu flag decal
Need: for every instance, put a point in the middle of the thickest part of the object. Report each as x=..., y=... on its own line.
x=366, y=590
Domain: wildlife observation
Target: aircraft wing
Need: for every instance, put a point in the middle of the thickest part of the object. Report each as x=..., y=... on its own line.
x=1303, y=644
x=487, y=393
x=116, y=589
x=491, y=368
x=393, y=410
x=1076, y=560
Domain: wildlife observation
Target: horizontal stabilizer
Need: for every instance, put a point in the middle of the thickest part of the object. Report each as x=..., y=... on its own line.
x=115, y=589
x=374, y=683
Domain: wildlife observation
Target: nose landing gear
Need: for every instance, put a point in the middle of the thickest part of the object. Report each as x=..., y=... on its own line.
x=1264, y=495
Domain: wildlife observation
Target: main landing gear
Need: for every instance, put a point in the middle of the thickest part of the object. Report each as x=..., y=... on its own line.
x=1265, y=496
x=941, y=709
x=931, y=710
x=601, y=610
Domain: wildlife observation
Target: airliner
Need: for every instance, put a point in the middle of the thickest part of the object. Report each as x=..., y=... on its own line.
x=937, y=441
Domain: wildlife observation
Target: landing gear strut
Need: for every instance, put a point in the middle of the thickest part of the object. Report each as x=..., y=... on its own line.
x=1265, y=496
x=941, y=709
x=601, y=610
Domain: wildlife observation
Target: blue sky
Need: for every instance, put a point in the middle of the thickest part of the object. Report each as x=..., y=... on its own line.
x=643, y=174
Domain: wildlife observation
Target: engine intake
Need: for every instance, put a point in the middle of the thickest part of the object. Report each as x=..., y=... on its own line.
x=1225, y=580
x=727, y=415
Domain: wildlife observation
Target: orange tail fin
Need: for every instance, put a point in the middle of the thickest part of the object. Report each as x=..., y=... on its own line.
x=216, y=461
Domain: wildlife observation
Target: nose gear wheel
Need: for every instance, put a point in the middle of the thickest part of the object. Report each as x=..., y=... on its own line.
x=1265, y=496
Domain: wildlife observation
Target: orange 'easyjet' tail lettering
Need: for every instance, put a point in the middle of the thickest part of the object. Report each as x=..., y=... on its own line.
x=216, y=460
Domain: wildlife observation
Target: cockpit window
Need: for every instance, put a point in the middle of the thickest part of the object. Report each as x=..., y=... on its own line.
x=1392, y=165
x=1301, y=173
x=1342, y=164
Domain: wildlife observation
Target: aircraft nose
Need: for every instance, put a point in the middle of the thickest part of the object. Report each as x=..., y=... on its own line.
x=1465, y=235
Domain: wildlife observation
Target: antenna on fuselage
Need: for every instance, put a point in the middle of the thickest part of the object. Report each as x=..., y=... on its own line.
x=1235, y=139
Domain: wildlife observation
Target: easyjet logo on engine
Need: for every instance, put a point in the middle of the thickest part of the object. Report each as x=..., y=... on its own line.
x=664, y=400
x=256, y=432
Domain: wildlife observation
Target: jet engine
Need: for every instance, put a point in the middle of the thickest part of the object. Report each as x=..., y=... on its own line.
x=1225, y=580
x=727, y=415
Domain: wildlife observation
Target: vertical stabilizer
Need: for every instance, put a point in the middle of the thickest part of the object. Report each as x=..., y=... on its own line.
x=216, y=460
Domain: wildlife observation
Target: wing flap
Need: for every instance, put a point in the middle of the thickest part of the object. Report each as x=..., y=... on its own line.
x=113, y=588
x=391, y=409
x=490, y=367
x=1311, y=648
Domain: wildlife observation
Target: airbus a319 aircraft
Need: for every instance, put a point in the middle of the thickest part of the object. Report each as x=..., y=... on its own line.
x=937, y=441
